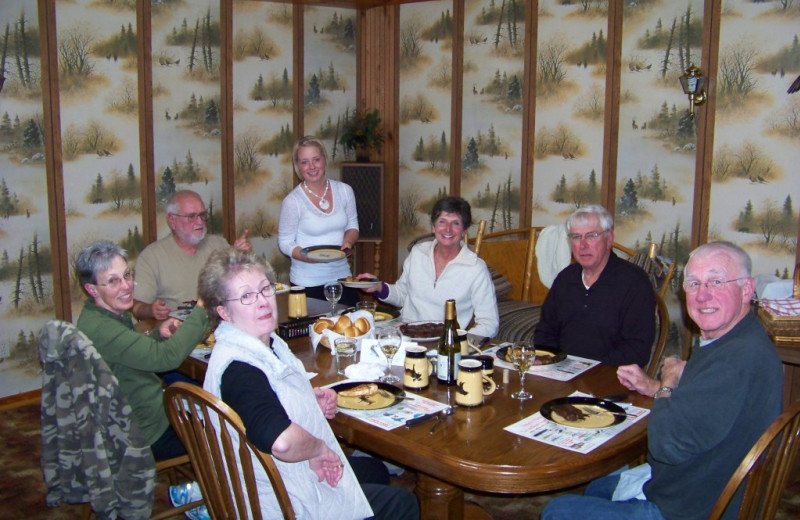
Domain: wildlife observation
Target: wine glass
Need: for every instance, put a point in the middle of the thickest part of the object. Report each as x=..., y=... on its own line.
x=333, y=293
x=389, y=340
x=522, y=354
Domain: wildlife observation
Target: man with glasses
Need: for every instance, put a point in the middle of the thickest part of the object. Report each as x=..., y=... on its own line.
x=600, y=307
x=167, y=270
x=708, y=412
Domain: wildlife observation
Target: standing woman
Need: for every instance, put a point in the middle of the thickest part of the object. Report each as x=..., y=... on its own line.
x=318, y=211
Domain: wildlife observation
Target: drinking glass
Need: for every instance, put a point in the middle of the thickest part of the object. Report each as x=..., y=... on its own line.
x=389, y=341
x=333, y=293
x=522, y=354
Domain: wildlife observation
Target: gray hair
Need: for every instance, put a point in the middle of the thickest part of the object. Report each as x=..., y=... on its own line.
x=97, y=257
x=222, y=266
x=173, y=204
x=739, y=255
x=582, y=214
x=308, y=140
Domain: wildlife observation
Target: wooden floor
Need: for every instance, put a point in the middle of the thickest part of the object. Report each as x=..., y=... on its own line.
x=22, y=491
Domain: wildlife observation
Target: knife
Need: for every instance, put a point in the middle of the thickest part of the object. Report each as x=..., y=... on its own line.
x=420, y=419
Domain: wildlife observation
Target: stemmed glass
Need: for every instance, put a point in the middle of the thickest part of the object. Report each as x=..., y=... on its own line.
x=389, y=340
x=522, y=354
x=333, y=293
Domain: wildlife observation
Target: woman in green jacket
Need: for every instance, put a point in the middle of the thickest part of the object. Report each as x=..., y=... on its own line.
x=134, y=358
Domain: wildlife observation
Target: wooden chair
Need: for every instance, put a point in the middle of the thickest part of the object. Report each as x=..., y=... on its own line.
x=511, y=252
x=662, y=330
x=660, y=270
x=766, y=469
x=221, y=454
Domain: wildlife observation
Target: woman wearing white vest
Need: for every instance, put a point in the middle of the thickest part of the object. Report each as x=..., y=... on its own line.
x=255, y=373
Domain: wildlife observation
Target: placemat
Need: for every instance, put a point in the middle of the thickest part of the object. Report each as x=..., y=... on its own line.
x=561, y=371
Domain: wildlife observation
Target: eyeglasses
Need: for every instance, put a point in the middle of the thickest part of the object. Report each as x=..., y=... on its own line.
x=192, y=216
x=591, y=236
x=115, y=282
x=249, y=298
x=692, y=286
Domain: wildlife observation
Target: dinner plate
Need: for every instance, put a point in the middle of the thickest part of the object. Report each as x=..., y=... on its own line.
x=381, y=316
x=386, y=396
x=543, y=356
x=323, y=253
x=359, y=284
x=414, y=330
x=597, y=412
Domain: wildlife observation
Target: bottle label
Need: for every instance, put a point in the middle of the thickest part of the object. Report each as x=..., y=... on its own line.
x=442, y=368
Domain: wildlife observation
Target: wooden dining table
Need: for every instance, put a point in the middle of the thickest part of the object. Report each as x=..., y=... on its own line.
x=470, y=450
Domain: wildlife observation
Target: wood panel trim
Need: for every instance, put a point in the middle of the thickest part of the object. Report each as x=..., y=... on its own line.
x=53, y=159
x=526, y=181
x=457, y=98
x=147, y=173
x=226, y=120
x=706, y=118
x=608, y=185
x=298, y=64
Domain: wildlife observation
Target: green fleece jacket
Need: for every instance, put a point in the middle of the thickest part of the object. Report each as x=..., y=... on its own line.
x=136, y=358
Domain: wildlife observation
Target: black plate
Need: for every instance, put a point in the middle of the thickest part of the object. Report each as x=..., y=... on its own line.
x=549, y=357
x=386, y=396
x=589, y=422
x=324, y=253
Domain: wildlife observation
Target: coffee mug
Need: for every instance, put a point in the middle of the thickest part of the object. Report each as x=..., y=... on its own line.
x=487, y=363
x=418, y=369
x=472, y=384
x=467, y=347
x=298, y=305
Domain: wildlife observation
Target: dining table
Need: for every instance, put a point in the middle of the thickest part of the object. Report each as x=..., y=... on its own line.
x=470, y=450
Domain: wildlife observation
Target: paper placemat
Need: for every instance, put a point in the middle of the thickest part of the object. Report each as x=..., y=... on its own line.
x=580, y=440
x=561, y=371
x=396, y=415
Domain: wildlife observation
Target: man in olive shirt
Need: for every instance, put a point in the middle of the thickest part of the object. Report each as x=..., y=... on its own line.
x=167, y=270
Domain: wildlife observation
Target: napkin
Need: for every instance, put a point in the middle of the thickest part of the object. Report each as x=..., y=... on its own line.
x=365, y=371
x=782, y=306
x=374, y=355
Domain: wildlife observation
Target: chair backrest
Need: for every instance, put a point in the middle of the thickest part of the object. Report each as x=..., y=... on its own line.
x=766, y=467
x=662, y=330
x=511, y=252
x=660, y=270
x=219, y=453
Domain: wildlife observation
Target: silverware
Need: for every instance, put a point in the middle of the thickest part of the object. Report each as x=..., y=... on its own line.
x=440, y=418
x=614, y=398
x=420, y=419
x=595, y=412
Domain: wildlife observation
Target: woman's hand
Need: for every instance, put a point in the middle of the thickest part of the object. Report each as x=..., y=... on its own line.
x=633, y=377
x=168, y=327
x=371, y=288
x=326, y=398
x=327, y=467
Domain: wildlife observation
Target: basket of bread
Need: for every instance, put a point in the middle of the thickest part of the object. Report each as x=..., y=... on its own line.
x=325, y=330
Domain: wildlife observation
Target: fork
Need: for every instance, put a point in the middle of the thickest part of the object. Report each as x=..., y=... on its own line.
x=440, y=418
x=589, y=411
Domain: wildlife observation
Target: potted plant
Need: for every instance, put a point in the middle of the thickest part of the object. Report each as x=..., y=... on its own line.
x=362, y=133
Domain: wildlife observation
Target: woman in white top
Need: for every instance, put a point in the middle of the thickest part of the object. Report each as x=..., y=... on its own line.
x=318, y=211
x=442, y=269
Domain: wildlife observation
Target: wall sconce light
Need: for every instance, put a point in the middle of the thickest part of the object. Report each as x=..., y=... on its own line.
x=692, y=82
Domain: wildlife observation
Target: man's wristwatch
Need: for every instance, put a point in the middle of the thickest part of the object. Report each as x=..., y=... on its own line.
x=662, y=390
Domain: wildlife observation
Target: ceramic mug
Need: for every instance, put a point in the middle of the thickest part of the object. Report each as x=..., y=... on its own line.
x=418, y=369
x=472, y=384
x=467, y=347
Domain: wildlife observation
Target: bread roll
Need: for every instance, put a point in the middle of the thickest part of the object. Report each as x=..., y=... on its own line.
x=322, y=324
x=351, y=332
x=341, y=324
x=362, y=324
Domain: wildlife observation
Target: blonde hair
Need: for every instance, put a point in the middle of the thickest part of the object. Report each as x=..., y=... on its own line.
x=303, y=142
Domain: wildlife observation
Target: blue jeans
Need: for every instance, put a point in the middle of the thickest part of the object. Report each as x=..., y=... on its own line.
x=596, y=504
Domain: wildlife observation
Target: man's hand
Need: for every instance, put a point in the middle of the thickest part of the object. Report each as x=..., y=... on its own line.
x=160, y=310
x=242, y=243
x=633, y=377
x=326, y=398
x=327, y=467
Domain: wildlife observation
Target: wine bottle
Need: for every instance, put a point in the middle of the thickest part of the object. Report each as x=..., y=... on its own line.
x=449, y=347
